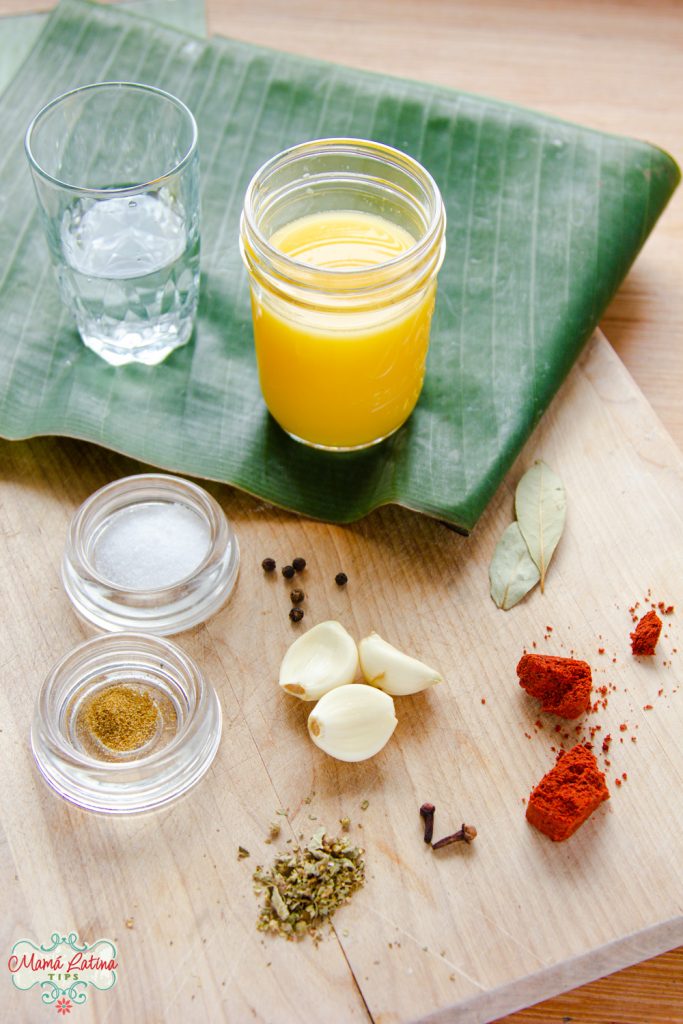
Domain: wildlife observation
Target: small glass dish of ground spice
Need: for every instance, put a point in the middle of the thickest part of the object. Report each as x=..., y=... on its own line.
x=125, y=723
x=150, y=552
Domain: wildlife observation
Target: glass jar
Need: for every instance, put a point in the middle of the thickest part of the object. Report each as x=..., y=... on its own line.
x=341, y=346
x=150, y=552
x=175, y=751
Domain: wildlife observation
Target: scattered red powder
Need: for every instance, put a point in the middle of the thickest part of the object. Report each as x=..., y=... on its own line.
x=583, y=732
x=567, y=795
x=646, y=634
x=665, y=609
x=563, y=685
x=602, y=698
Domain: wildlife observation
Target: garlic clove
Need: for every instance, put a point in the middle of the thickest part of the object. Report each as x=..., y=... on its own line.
x=320, y=660
x=393, y=671
x=352, y=723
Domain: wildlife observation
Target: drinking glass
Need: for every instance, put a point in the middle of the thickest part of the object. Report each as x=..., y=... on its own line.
x=116, y=171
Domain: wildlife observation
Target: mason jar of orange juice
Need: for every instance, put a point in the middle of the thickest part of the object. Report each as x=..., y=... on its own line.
x=343, y=239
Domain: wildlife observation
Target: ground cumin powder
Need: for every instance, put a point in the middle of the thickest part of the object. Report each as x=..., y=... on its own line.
x=121, y=718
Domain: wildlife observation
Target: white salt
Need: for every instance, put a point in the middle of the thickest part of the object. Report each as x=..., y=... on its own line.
x=150, y=545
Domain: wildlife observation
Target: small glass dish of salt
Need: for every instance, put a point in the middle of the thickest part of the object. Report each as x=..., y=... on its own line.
x=151, y=552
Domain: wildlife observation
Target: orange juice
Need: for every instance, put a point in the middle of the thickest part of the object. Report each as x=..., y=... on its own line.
x=341, y=378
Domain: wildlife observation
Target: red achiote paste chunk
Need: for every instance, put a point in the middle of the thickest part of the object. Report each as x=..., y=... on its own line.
x=563, y=685
x=646, y=634
x=567, y=795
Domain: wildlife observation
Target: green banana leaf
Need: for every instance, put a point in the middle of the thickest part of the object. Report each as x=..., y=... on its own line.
x=544, y=220
x=17, y=36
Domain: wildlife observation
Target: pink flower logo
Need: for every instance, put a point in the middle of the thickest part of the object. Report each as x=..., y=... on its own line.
x=63, y=1006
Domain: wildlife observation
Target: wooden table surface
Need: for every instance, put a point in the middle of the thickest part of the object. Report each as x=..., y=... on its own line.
x=615, y=65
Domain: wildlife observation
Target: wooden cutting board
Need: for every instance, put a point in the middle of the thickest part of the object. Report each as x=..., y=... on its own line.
x=467, y=934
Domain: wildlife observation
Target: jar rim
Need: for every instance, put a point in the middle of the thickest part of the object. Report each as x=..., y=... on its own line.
x=138, y=784
x=252, y=235
x=115, y=486
x=110, y=193
x=166, y=608
x=120, y=644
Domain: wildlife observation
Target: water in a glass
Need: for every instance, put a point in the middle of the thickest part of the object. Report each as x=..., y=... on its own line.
x=130, y=274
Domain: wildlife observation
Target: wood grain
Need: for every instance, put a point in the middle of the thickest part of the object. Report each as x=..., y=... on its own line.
x=488, y=929
x=616, y=66
x=607, y=65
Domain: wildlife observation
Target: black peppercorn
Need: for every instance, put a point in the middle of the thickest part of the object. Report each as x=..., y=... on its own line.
x=296, y=614
x=297, y=596
x=268, y=564
x=288, y=571
x=341, y=579
x=299, y=564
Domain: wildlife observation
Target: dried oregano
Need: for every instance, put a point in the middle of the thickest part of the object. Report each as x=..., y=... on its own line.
x=304, y=887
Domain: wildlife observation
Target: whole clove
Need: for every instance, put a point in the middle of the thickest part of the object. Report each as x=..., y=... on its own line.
x=427, y=814
x=465, y=834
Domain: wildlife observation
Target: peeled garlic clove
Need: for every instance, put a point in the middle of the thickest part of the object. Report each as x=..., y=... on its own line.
x=352, y=723
x=392, y=670
x=323, y=658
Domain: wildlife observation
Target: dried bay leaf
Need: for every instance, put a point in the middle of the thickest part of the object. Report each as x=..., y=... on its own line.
x=541, y=509
x=513, y=572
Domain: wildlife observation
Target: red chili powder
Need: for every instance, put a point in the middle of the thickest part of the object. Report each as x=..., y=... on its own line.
x=646, y=634
x=567, y=795
x=563, y=685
